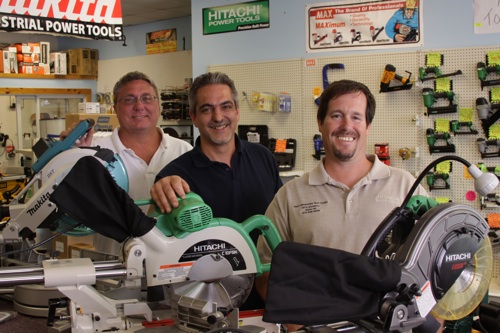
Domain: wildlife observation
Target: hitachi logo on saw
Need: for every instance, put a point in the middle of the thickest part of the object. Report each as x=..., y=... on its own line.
x=101, y=11
x=39, y=203
x=209, y=247
x=457, y=257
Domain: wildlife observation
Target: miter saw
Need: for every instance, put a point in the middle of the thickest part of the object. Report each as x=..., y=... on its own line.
x=55, y=159
x=206, y=265
x=423, y=259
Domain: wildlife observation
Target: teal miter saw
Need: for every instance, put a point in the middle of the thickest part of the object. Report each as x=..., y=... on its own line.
x=32, y=209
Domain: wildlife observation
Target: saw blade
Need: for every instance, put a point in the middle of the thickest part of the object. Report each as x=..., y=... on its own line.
x=230, y=292
x=470, y=288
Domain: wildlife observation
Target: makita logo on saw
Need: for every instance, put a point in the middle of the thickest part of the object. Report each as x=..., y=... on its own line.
x=39, y=203
x=457, y=257
x=98, y=11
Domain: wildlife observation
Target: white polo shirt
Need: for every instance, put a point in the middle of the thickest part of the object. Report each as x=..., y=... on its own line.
x=140, y=174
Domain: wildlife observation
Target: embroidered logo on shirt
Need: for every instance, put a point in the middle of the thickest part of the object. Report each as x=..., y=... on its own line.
x=387, y=198
x=310, y=207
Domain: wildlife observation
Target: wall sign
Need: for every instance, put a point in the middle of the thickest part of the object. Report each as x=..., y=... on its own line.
x=364, y=25
x=161, y=41
x=238, y=17
x=99, y=19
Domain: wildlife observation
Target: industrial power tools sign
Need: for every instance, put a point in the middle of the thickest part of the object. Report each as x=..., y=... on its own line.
x=364, y=25
x=238, y=17
x=98, y=19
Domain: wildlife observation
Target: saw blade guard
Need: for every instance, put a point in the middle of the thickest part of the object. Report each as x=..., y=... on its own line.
x=449, y=248
x=115, y=166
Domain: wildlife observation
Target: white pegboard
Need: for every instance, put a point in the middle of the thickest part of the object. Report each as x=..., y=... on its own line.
x=396, y=114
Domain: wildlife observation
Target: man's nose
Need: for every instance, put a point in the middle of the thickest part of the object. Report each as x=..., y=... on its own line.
x=217, y=114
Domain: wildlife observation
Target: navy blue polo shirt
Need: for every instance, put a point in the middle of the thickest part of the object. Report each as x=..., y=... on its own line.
x=237, y=192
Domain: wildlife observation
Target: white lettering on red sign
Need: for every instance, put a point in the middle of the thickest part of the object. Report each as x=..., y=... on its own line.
x=95, y=11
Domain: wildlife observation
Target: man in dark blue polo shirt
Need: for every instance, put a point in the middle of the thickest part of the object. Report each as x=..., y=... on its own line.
x=236, y=178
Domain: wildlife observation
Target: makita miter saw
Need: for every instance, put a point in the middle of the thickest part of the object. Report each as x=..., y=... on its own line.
x=206, y=265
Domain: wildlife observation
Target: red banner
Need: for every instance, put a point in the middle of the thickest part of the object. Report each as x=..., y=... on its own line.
x=101, y=19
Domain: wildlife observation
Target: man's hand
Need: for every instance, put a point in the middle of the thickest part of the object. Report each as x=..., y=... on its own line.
x=166, y=190
x=84, y=141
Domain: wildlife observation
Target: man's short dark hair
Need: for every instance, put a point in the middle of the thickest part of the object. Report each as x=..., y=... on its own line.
x=208, y=79
x=132, y=76
x=343, y=87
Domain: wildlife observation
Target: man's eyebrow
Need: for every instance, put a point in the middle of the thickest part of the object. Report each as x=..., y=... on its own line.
x=213, y=105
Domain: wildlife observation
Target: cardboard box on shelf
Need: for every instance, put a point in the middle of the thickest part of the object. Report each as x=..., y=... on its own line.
x=62, y=243
x=9, y=56
x=27, y=47
x=79, y=61
x=75, y=250
x=89, y=107
x=30, y=68
x=58, y=63
x=94, y=61
x=45, y=57
x=103, y=122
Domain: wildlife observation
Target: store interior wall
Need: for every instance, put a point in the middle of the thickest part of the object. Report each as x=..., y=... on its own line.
x=283, y=41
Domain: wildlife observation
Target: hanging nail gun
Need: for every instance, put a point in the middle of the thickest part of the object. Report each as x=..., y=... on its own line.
x=430, y=96
x=483, y=144
x=483, y=71
x=433, y=136
x=389, y=75
x=487, y=113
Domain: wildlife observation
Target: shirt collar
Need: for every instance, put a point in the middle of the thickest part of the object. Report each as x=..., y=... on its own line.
x=201, y=160
x=379, y=170
x=118, y=143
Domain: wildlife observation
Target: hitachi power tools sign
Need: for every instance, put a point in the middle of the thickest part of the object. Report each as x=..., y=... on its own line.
x=238, y=17
x=95, y=19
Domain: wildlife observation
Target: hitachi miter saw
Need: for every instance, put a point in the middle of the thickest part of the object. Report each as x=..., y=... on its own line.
x=207, y=265
x=424, y=258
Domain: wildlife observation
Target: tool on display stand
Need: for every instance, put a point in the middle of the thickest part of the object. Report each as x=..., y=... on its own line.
x=483, y=71
x=433, y=137
x=487, y=114
x=406, y=153
x=430, y=97
x=425, y=71
x=319, y=150
x=382, y=152
x=326, y=83
x=491, y=200
x=285, y=151
x=438, y=181
x=389, y=76
x=433, y=62
x=462, y=127
x=494, y=170
x=483, y=144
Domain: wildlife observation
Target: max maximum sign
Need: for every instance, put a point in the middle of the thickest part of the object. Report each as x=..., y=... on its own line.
x=238, y=17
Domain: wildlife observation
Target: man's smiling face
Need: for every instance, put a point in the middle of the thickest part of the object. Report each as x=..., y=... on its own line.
x=344, y=130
